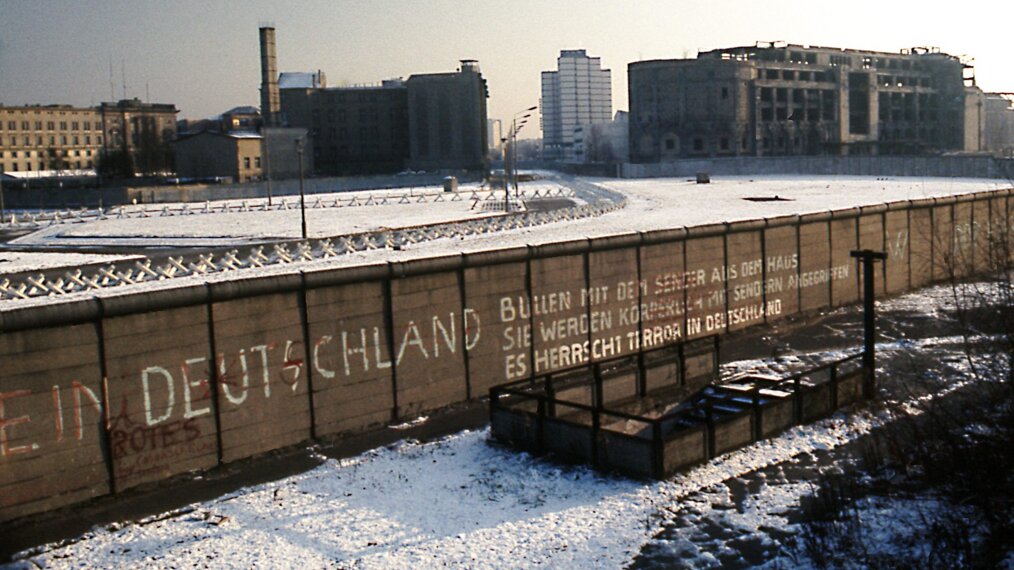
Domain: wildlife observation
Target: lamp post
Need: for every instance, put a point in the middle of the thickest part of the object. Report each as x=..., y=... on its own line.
x=302, y=197
x=506, y=185
x=513, y=135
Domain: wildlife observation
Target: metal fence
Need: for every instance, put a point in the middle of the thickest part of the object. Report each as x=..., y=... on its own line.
x=531, y=415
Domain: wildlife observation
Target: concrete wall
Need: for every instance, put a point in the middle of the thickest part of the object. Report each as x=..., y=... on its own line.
x=102, y=395
x=946, y=166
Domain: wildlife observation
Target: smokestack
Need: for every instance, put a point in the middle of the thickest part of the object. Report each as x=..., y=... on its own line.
x=270, y=100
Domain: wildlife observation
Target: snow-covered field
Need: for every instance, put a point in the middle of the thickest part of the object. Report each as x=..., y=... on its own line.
x=326, y=215
x=20, y=261
x=650, y=204
x=461, y=501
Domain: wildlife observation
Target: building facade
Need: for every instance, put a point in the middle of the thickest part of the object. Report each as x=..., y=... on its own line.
x=353, y=130
x=578, y=93
x=210, y=154
x=447, y=120
x=139, y=134
x=429, y=122
x=777, y=99
x=50, y=139
x=998, y=135
x=57, y=138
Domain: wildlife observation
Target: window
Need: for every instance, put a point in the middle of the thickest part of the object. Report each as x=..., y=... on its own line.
x=63, y=125
x=88, y=139
x=246, y=162
x=87, y=126
x=725, y=92
x=38, y=125
x=74, y=126
x=724, y=143
x=670, y=144
x=257, y=162
x=698, y=144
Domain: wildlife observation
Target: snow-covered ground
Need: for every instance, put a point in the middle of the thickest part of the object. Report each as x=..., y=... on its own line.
x=461, y=501
x=652, y=204
x=22, y=261
x=251, y=221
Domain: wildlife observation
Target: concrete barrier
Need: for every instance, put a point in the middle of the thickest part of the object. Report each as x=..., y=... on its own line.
x=103, y=395
x=934, y=166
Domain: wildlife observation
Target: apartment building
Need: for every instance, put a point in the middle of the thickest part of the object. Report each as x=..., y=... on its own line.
x=578, y=93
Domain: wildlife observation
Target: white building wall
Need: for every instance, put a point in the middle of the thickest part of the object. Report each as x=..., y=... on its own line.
x=578, y=93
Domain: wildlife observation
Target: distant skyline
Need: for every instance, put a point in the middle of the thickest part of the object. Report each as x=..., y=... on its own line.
x=203, y=56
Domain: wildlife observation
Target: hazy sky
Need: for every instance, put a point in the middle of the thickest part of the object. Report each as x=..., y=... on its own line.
x=203, y=55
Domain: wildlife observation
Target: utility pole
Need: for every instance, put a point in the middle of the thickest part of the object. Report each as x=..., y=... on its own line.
x=868, y=257
x=302, y=199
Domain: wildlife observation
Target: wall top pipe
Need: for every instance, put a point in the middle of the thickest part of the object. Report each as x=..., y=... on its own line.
x=253, y=286
x=74, y=312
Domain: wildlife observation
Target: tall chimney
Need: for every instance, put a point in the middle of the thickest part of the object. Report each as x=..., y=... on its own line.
x=270, y=100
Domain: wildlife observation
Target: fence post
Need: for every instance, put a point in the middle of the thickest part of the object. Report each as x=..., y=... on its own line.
x=658, y=449
x=834, y=387
x=540, y=426
x=757, y=419
x=709, y=421
x=868, y=257
x=797, y=402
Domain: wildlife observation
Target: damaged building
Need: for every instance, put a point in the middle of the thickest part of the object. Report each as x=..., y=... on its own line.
x=776, y=99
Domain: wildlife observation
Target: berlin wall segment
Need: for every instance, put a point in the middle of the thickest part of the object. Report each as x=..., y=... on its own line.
x=52, y=451
x=157, y=384
x=262, y=374
x=351, y=355
x=432, y=333
x=897, y=270
x=162, y=414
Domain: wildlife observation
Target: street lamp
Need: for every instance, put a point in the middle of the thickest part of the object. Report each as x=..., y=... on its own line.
x=513, y=134
x=302, y=197
x=506, y=185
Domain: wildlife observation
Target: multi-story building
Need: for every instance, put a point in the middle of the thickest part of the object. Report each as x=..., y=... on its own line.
x=232, y=155
x=139, y=134
x=998, y=135
x=578, y=93
x=494, y=134
x=778, y=99
x=431, y=121
x=49, y=138
x=353, y=130
x=447, y=119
